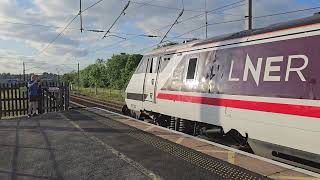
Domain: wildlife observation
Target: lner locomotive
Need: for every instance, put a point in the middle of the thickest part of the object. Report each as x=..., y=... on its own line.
x=261, y=86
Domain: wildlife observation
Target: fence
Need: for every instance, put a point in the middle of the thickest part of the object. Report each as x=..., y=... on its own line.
x=14, y=98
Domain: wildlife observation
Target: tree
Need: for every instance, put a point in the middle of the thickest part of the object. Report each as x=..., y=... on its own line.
x=130, y=67
x=113, y=73
x=115, y=68
x=70, y=77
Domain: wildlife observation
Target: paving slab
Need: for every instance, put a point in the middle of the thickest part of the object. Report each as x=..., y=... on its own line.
x=50, y=147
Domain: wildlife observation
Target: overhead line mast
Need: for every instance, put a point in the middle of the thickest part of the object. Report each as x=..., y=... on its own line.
x=206, y=17
x=122, y=13
x=80, y=13
x=248, y=17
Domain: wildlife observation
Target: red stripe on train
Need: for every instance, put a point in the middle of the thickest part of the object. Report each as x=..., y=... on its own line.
x=299, y=110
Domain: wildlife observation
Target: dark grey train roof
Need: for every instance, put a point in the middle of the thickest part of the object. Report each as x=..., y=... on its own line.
x=275, y=27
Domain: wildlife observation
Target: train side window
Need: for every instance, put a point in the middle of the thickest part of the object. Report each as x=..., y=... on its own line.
x=192, y=68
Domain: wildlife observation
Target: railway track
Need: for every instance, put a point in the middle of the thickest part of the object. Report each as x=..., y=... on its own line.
x=89, y=102
x=117, y=108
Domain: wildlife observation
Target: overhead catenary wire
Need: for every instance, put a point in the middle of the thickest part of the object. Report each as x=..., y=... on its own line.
x=57, y=27
x=190, y=31
x=202, y=14
x=180, y=14
x=167, y=7
x=120, y=37
x=122, y=13
x=84, y=10
x=88, y=30
x=270, y=15
x=61, y=32
x=235, y=2
x=36, y=67
x=230, y=21
x=184, y=20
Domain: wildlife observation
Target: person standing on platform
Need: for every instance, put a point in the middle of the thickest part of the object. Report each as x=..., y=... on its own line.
x=33, y=85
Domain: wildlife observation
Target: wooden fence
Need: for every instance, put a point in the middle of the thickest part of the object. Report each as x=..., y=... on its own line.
x=14, y=98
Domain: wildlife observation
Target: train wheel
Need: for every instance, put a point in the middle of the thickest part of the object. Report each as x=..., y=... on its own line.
x=125, y=110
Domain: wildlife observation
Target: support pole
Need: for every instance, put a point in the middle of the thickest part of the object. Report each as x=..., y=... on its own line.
x=80, y=13
x=58, y=77
x=24, y=71
x=78, y=78
x=248, y=17
x=205, y=7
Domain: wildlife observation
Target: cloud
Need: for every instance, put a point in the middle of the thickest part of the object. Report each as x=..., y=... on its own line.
x=73, y=46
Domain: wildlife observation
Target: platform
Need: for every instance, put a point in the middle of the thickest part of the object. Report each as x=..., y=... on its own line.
x=92, y=143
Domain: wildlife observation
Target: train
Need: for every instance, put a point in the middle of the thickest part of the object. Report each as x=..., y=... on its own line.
x=260, y=86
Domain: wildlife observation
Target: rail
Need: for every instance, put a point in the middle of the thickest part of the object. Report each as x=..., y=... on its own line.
x=89, y=101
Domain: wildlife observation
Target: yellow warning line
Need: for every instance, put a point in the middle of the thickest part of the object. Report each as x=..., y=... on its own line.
x=231, y=157
x=231, y=154
x=179, y=141
x=293, y=177
x=214, y=151
x=122, y=119
x=148, y=128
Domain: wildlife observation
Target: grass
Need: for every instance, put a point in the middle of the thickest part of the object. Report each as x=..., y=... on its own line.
x=103, y=94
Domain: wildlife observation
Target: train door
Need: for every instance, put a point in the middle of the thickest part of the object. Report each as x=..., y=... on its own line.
x=150, y=82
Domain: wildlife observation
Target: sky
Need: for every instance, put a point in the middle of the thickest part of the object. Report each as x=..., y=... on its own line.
x=30, y=28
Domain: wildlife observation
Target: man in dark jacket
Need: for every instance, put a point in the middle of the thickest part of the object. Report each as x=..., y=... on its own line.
x=33, y=94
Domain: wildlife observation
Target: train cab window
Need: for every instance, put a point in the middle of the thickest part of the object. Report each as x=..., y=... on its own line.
x=142, y=66
x=150, y=65
x=155, y=65
x=164, y=63
x=192, y=68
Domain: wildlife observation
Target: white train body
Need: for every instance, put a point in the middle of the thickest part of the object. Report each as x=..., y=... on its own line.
x=265, y=84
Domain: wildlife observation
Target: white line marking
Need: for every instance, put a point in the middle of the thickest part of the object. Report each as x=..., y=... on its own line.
x=80, y=105
x=310, y=173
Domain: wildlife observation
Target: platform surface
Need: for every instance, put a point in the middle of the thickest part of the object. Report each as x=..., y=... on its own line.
x=89, y=144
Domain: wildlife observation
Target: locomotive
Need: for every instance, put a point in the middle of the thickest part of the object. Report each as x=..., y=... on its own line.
x=261, y=86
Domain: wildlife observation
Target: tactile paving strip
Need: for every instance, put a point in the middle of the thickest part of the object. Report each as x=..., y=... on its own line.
x=216, y=166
